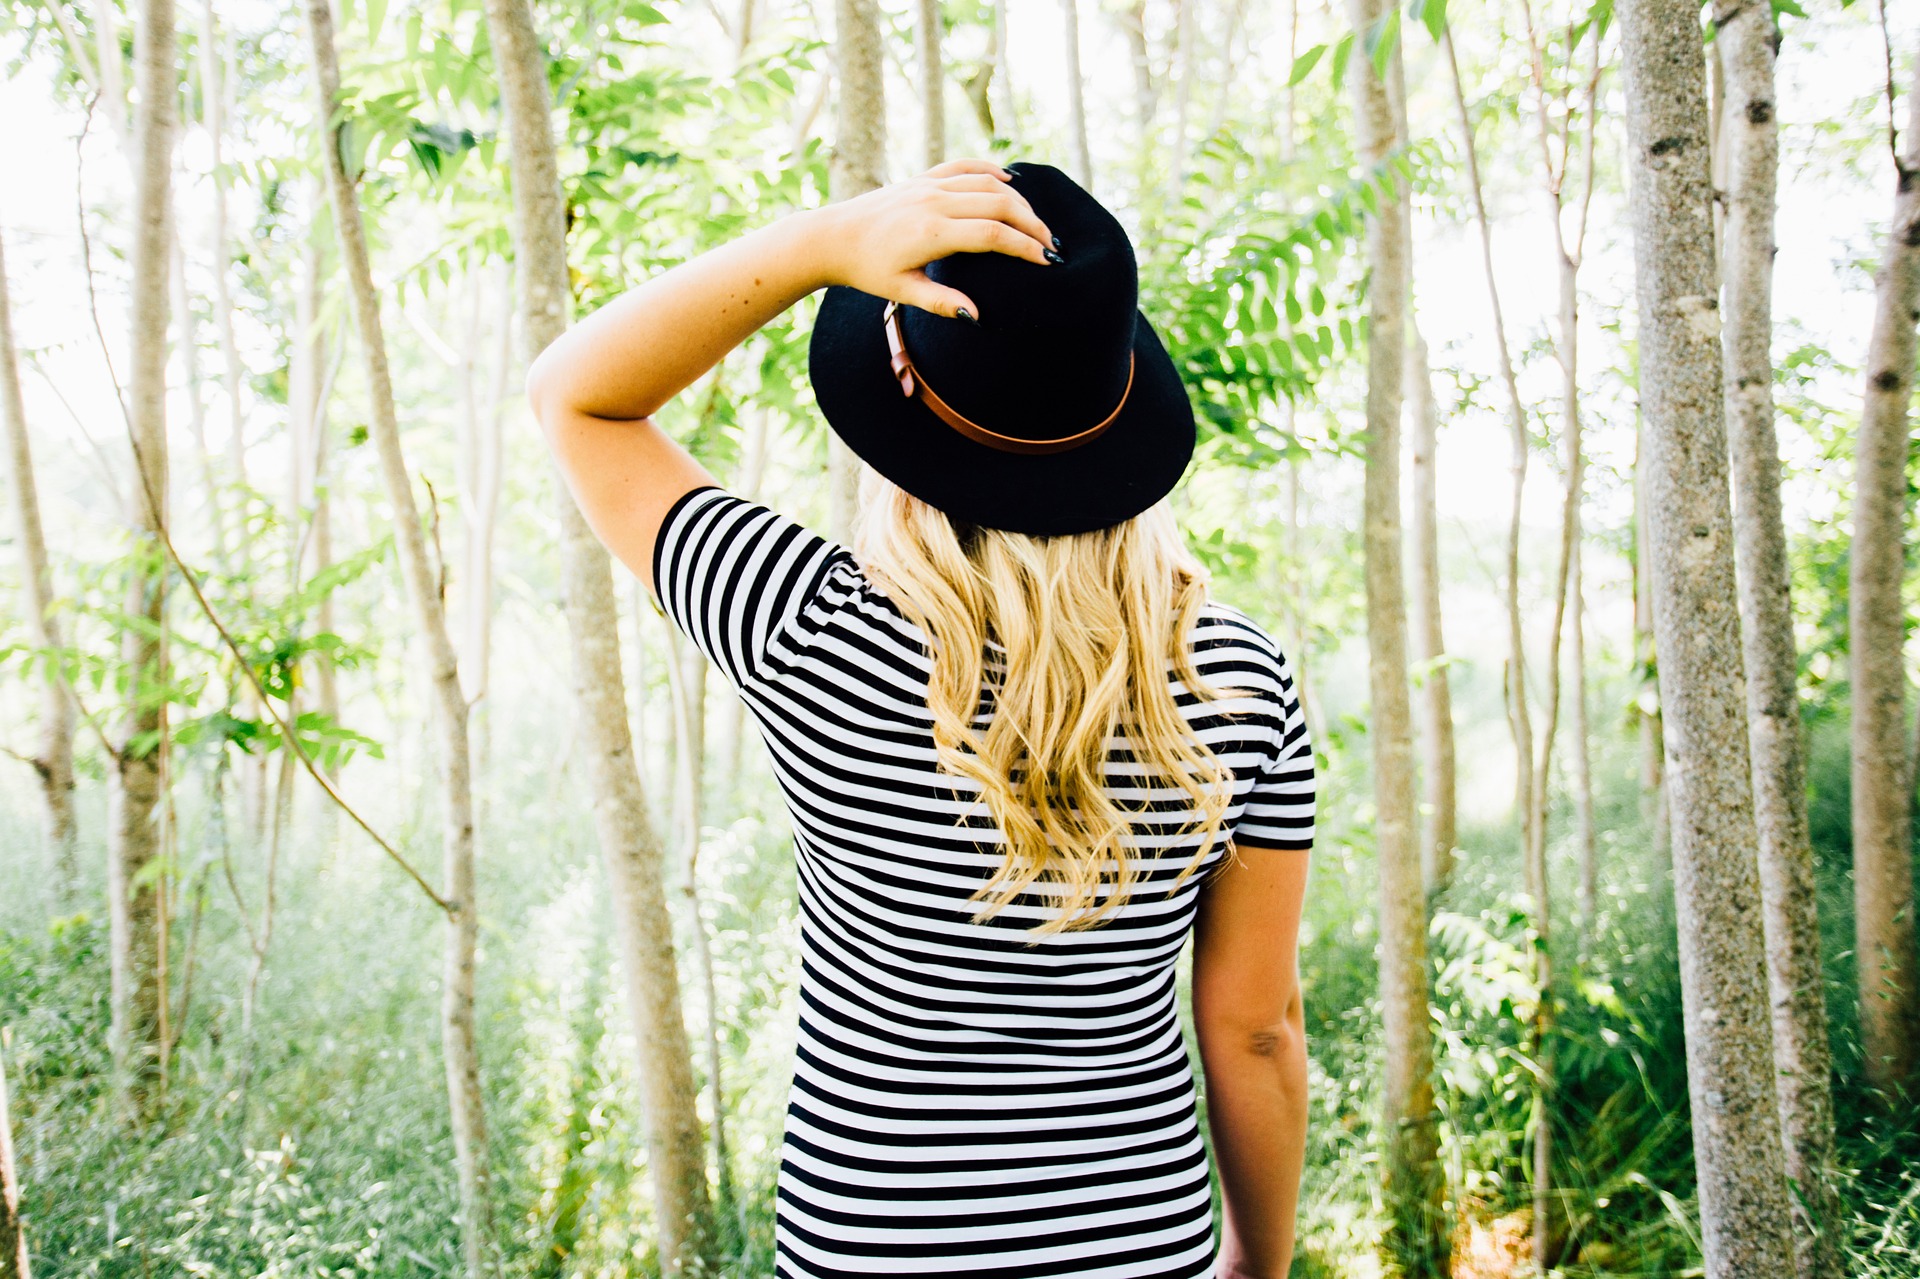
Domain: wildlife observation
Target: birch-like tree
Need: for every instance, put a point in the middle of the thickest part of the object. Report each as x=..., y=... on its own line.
x=858, y=165
x=933, y=82
x=1888, y=956
x=1433, y=709
x=1750, y=144
x=52, y=762
x=459, y=1047
x=1419, y=1233
x=136, y=778
x=1076, y=94
x=629, y=847
x=1745, y=1221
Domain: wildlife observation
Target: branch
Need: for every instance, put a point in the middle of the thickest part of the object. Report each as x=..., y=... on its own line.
x=193, y=584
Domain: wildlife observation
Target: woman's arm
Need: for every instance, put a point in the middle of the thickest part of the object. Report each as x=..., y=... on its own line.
x=1253, y=1050
x=596, y=388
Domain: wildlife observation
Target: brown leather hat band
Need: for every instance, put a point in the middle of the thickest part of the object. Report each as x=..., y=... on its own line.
x=912, y=383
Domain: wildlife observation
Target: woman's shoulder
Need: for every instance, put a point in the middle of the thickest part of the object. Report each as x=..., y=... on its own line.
x=1229, y=643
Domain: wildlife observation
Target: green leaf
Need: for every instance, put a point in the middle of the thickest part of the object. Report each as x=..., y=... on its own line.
x=376, y=18
x=1304, y=64
x=1341, y=52
x=1433, y=15
x=1382, y=38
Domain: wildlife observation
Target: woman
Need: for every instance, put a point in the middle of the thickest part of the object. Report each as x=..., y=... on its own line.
x=1024, y=753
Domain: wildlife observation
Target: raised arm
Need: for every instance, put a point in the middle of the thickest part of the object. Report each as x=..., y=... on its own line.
x=1253, y=1050
x=595, y=390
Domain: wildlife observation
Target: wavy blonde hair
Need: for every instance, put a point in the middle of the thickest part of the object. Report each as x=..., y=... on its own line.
x=1088, y=624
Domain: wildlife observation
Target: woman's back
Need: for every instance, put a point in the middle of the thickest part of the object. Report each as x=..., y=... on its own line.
x=968, y=1098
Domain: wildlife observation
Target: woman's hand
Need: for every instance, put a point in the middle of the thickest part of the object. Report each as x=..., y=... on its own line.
x=881, y=242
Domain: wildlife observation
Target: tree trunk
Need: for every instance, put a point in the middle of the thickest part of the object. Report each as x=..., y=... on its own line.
x=1181, y=60
x=1133, y=24
x=933, y=82
x=858, y=165
x=1004, y=114
x=1882, y=777
x=458, y=1044
x=1586, y=838
x=1653, y=792
x=1076, y=95
x=53, y=762
x=1746, y=1227
x=13, y=1234
x=1803, y=1060
x=1415, y=1193
x=135, y=780
x=1519, y=718
x=687, y=680
x=628, y=845
x=213, y=102
x=1434, y=709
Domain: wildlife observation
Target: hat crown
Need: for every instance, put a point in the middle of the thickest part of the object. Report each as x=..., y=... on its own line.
x=1052, y=352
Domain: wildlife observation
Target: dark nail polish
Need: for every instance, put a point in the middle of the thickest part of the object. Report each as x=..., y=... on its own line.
x=966, y=315
x=1056, y=241
x=1054, y=258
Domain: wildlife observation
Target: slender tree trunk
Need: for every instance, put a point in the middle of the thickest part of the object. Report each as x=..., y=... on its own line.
x=1434, y=707
x=134, y=794
x=213, y=101
x=458, y=1043
x=1419, y=1238
x=858, y=165
x=1133, y=24
x=1005, y=113
x=1586, y=838
x=1076, y=95
x=1746, y=1225
x=687, y=680
x=1519, y=718
x=1803, y=1060
x=13, y=1234
x=1889, y=960
x=1185, y=38
x=628, y=844
x=933, y=81
x=53, y=762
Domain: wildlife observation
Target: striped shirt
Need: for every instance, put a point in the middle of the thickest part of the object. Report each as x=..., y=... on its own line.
x=964, y=1103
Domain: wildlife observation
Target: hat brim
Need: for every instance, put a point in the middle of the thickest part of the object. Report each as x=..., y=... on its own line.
x=1112, y=478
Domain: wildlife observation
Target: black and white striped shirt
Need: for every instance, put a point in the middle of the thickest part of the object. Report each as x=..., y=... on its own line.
x=964, y=1103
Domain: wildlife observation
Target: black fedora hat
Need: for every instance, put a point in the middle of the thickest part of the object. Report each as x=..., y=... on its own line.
x=1059, y=412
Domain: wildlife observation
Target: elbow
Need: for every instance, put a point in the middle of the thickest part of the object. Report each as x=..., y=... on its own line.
x=1255, y=1037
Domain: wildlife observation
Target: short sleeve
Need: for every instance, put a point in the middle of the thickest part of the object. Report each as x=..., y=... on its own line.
x=1279, y=810
x=731, y=574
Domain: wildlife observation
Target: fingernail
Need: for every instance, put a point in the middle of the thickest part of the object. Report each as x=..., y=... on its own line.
x=966, y=315
x=1056, y=241
x=1054, y=258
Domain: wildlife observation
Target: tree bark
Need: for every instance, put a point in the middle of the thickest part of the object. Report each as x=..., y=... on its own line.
x=213, y=103
x=1434, y=709
x=13, y=1233
x=1133, y=24
x=53, y=762
x=1888, y=958
x=135, y=779
x=1076, y=95
x=1519, y=718
x=1419, y=1234
x=933, y=82
x=628, y=845
x=458, y=1043
x=1586, y=838
x=1746, y=1226
x=858, y=165
x=1803, y=1060
x=1653, y=792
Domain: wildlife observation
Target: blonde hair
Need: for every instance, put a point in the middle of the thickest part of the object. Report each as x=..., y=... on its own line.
x=1088, y=624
